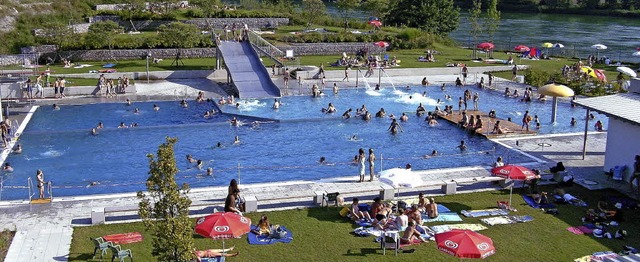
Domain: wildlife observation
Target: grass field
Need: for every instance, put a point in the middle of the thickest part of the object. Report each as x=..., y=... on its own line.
x=320, y=234
x=5, y=240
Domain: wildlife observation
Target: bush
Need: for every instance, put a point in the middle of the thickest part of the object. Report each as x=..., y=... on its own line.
x=536, y=77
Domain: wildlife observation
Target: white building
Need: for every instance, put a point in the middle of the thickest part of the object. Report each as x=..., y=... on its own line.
x=623, y=132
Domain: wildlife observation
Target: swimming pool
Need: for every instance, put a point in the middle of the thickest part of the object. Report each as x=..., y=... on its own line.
x=58, y=141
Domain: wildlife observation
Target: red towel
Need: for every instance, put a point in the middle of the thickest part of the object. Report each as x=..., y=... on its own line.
x=415, y=242
x=575, y=230
x=125, y=238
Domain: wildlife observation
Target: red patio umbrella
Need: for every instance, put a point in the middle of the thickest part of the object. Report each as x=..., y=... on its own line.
x=513, y=172
x=465, y=244
x=521, y=48
x=375, y=23
x=222, y=225
x=381, y=44
x=485, y=46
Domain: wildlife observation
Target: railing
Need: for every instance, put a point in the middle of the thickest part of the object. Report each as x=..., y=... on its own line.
x=32, y=191
x=272, y=51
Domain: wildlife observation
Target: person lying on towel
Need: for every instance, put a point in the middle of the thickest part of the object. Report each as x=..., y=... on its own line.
x=568, y=198
x=213, y=253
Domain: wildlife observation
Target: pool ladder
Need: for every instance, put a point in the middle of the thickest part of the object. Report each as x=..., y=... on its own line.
x=33, y=192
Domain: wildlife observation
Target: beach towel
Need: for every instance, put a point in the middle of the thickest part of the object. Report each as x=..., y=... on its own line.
x=485, y=212
x=82, y=66
x=363, y=223
x=213, y=259
x=109, y=65
x=575, y=230
x=521, y=219
x=107, y=71
x=532, y=203
x=266, y=240
x=445, y=228
x=443, y=217
x=368, y=231
x=415, y=242
x=585, y=229
x=492, y=221
x=125, y=238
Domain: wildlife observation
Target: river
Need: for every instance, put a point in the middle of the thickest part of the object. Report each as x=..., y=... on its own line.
x=576, y=32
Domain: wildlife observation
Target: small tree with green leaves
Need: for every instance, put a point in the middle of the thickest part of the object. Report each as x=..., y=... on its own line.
x=164, y=209
x=313, y=9
x=179, y=35
x=493, y=18
x=102, y=34
x=346, y=8
x=474, y=22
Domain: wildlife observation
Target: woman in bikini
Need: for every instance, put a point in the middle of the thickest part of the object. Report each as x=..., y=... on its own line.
x=411, y=234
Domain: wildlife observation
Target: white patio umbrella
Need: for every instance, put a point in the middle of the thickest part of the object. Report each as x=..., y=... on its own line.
x=400, y=177
x=599, y=47
x=627, y=71
x=636, y=53
x=558, y=45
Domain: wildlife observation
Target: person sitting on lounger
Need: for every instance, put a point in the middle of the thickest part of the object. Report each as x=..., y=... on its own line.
x=411, y=234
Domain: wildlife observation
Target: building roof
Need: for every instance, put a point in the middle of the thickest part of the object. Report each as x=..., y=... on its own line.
x=625, y=107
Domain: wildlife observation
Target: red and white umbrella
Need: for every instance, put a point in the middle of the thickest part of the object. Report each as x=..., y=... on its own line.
x=465, y=244
x=375, y=23
x=223, y=225
x=485, y=46
x=381, y=44
x=513, y=172
x=521, y=48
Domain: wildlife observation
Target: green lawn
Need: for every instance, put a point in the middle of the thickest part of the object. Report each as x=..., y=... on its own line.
x=321, y=235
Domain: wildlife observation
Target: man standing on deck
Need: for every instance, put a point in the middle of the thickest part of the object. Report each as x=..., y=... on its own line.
x=372, y=160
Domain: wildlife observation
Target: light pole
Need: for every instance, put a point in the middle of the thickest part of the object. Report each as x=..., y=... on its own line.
x=148, y=55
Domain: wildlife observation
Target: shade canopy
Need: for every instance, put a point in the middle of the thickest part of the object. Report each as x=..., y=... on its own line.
x=627, y=71
x=547, y=45
x=558, y=45
x=521, y=48
x=465, y=244
x=556, y=90
x=514, y=172
x=400, y=177
x=485, y=46
x=599, y=46
x=222, y=225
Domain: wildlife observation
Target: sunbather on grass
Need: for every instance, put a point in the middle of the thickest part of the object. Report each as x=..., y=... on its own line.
x=411, y=234
x=211, y=253
x=356, y=214
x=264, y=227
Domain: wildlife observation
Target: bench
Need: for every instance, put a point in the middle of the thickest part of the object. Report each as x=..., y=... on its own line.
x=99, y=214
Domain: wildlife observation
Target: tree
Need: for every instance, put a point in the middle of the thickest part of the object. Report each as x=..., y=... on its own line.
x=132, y=9
x=101, y=34
x=474, y=20
x=207, y=6
x=346, y=8
x=377, y=8
x=493, y=18
x=179, y=35
x=164, y=209
x=312, y=10
x=434, y=16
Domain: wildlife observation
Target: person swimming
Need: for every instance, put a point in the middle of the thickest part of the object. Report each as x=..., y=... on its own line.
x=100, y=125
x=322, y=160
x=366, y=116
x=395, y=127
x=56, y=107
x=122, y=125
x=7, y=168
x=136, y=110
x=184, y=103
x=209, y=171
x=381, y=113
x=462, y=146
x=128, y=102
x=234, y=121
x=156, y=107
x=404, y=117
x=199, y=164
x=18, y=149
x=236, y=140
x=94, y=132
x=190, y=159
x=347, y=114
x=276, y=104
x=219, y=145
x=330, y=109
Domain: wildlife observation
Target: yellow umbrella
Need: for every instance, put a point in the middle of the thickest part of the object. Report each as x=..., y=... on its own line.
x=589, y=71
x=547, y=45
x=555, y=90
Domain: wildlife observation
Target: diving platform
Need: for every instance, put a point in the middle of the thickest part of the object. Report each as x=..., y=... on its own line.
x=510, y=128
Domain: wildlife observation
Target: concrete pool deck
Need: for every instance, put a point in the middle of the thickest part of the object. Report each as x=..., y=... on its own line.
x=44, y=231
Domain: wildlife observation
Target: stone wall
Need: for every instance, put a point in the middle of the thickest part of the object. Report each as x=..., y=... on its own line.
x=24, y=59
x=132, y=54
x=202, y=23
x=330, y=48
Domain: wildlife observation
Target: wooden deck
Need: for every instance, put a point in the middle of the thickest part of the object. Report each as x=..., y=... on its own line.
x=512, y=128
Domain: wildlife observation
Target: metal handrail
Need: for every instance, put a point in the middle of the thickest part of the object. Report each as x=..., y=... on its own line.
x=271, y=51
x=30, y=186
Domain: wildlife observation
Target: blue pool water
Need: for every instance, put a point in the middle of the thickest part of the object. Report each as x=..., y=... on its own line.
x=58, y=142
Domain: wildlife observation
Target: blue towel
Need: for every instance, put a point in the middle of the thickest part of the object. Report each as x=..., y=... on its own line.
x=109, y=65
x=213, y=259
x=443, y=209
x=532, y=203
x=443, y=217
x=266, y=240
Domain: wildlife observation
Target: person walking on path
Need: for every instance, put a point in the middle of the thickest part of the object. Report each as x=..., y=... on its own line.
x=346, y=74
x=372, y=160
x=514, y=71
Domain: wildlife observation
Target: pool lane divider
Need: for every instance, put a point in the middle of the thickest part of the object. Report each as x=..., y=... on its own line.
x=17, y=134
